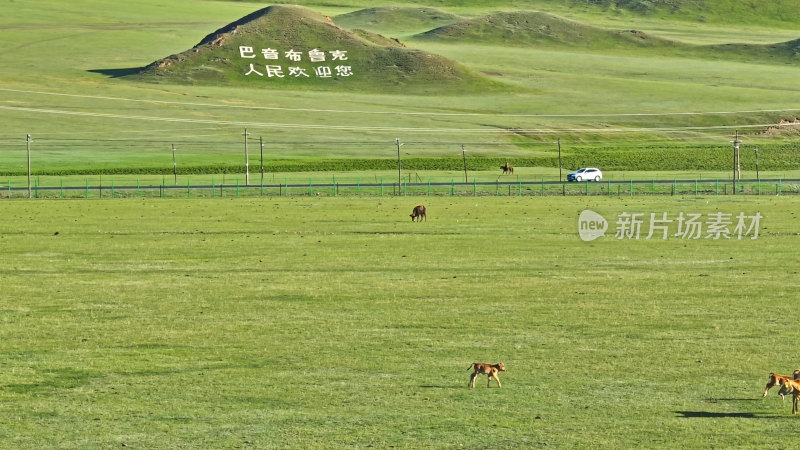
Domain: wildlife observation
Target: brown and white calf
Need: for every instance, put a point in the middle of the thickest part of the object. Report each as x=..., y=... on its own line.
x=775, y=379
x=490, y=370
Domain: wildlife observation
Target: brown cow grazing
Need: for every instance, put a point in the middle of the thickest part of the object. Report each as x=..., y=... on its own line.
x=775, y=379
x=418, y=214
x=791, y=387
x=490, y=370
x=507, y=169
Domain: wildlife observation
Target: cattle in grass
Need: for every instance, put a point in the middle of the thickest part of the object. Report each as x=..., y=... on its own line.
x=418, y=214
x=775, y=380
x=490, y=370
x=789, y=386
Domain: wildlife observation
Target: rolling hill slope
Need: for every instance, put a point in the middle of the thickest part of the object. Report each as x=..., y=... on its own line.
x=526, y=28
x=773, y=13
x=523, y=29
x=780, y=52
x=396, y=19
x=778, y=13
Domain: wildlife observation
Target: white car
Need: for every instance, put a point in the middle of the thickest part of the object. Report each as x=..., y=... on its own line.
x=586, y=174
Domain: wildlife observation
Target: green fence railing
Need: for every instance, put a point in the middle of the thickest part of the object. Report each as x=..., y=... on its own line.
x=430, y=187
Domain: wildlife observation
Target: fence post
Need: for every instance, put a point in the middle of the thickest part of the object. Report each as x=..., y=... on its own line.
x=237, y=186
x=9, y=188
x=695, y=188
x=188, y=187
x=358, y=186
x=653, y=188
x=112, y=188
x=780, y=186
x=520, y=188
x=36, y=188
x=452, y=186
x=587, y=188
x=87, y=188
x=62, y=189
x=212, y=188
x=310, y=187
x=759, y=186
x=631, y=187
x=716, y=188
x=381, y=186
x=542, y=187
x=474, y=187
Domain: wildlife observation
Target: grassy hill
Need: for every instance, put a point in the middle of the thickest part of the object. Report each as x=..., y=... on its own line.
x=782, y=13
x=538, y=28
x=772, y=13
x=780, y=52
x=398, y=20
x=363, y=64
x=526, y=29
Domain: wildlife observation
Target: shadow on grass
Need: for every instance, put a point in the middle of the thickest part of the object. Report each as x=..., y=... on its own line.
x=429, y=386
x=734, y=415
x=717, y=415
x=116, y=73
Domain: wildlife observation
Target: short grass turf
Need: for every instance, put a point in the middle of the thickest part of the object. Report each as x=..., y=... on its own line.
x=336, y=322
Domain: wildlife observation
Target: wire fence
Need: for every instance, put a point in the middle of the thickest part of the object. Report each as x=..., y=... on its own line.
x=430, y=188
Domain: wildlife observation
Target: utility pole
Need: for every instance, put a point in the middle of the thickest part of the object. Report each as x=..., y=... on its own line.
x=399, y=182
x=464, y=156
x=757, y=176
x=246, y=161
x=174, y=165
x=738, y=159
x=261, y=145
x=559, y=160
x=737, y=171
x=28, y=145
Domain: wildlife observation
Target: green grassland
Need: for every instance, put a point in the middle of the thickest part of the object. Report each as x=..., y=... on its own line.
x=328, y=323
x=66, y=78
x=325, y=321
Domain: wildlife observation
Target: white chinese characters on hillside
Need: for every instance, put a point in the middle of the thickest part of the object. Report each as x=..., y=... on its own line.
x=283, y=64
